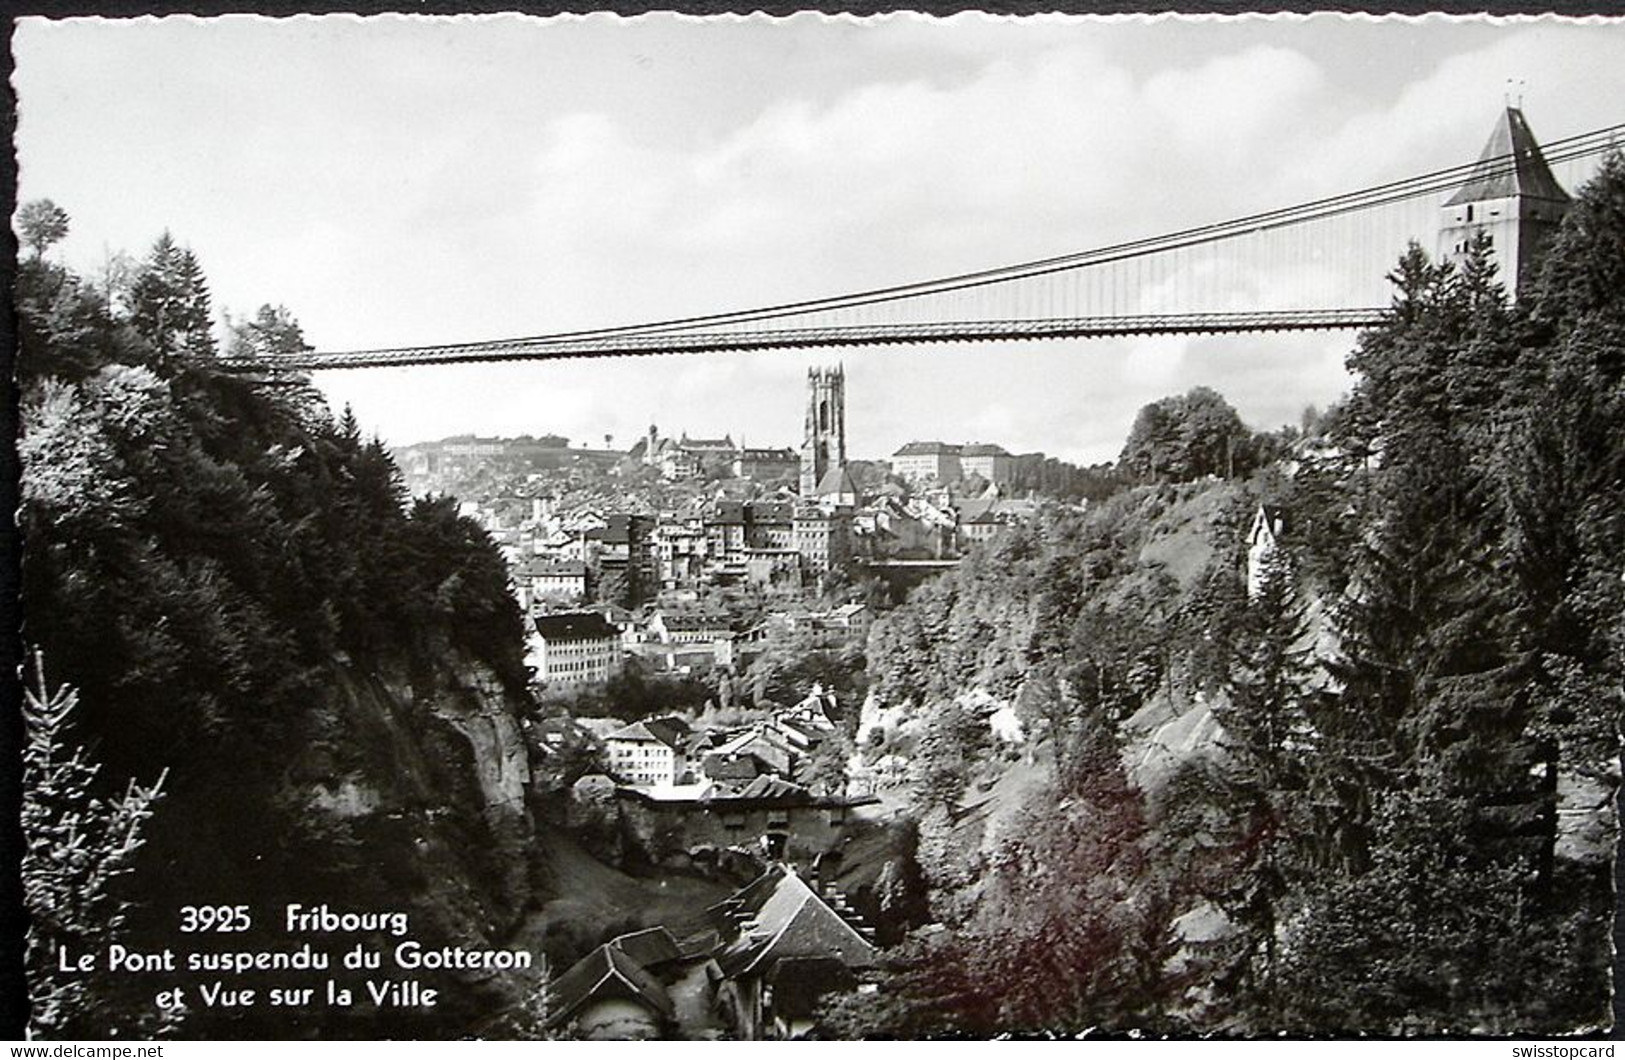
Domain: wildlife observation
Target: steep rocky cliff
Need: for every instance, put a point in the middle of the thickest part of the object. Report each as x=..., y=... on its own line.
x=328, y=673
x=399, y=789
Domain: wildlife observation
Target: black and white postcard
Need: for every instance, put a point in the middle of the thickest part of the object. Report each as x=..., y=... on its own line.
x=725, y=528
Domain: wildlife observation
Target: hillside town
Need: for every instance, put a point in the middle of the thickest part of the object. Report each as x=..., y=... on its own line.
x=689, y=562
x=823, y=712
x=688, y=554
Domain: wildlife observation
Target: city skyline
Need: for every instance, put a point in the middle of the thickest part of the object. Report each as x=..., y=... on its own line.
x=410, y=180
x=676, y=431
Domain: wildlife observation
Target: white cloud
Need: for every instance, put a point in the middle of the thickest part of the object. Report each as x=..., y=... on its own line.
x=401, y=181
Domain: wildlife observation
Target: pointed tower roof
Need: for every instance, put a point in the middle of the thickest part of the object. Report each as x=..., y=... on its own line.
x=837, y=481
x=1511, y=165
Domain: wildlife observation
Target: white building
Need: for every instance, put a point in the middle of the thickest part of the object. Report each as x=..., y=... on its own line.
x=927, y=462
x=649, y=753
x=1262, y=541
x=992, y=462
x=574, y=648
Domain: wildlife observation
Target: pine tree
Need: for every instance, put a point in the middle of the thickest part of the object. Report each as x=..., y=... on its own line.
x=78, y=846
x=1424, y=663
x=169, y=303
x=1584, y=270
x=1432, y=938
x=1268, y=738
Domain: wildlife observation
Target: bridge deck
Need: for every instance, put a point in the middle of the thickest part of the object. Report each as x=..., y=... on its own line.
x=610, y=344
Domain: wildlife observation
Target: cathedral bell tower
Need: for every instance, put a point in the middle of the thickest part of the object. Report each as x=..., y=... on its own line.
x=1512, y=197
x=823, y=443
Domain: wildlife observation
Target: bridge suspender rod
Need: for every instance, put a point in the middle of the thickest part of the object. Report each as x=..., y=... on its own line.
x=1122, y=252
x=1110, y=257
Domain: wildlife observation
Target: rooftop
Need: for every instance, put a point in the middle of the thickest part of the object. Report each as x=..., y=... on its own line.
x=837, y=481
x=928, y=449
x=574, y=625
x=771, y=511
x=740, y=743
x=649, y=947
x=771, y=787
x=732, y=767
x=727, y=512
x=691, y=620
x=604, y=973
x=555, y=568
x=777, y=917
x=1511, y=165
x=669, y=731
x=695, y=792
x=726, y=442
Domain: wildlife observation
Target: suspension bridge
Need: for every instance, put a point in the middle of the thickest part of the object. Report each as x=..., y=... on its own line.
x=1316, y=265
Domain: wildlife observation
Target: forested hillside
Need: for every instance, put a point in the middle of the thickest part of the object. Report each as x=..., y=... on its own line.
x=233, y=582
x=1414, y=714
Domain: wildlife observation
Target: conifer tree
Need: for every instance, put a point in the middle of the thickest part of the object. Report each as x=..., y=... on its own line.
x=1584, y=271
x=78, y=845
x=169, y=303
x=1268, y=738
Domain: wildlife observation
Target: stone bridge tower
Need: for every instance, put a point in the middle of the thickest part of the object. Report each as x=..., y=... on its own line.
x=1512, y=197
x=823, y=444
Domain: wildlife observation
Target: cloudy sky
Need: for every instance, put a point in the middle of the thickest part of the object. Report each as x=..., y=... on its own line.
x=404, y=181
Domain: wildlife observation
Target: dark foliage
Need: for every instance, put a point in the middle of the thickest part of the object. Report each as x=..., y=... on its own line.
x=217, y=566
x=1180, y=439
x=1372, y=843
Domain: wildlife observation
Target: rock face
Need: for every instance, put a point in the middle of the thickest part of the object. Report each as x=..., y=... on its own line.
x=486, y=719
x=402, y=789
x=440, y=747
x=1587, y=828
x=1165, y=734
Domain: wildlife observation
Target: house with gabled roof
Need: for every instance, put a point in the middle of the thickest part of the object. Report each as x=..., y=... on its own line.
x=782, y=948
x=800, y=734
x=683, y=969
x=837, y=488
x=978, y=529
x=609, y=996
x=761, y=742
x=1263, y=541
x=813, y=710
